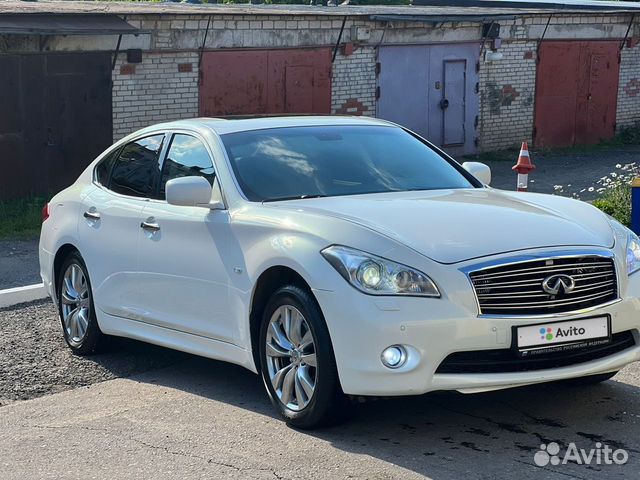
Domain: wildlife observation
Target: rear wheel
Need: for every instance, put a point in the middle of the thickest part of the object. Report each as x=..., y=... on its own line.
x=297, y=361
x=75, y=306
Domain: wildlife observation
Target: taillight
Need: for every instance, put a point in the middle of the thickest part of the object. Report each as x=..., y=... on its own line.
x=45, y=212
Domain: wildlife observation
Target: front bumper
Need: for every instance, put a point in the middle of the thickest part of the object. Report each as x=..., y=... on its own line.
x=362, y=326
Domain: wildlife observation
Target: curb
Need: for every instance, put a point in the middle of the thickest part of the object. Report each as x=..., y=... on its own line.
x=14, y=296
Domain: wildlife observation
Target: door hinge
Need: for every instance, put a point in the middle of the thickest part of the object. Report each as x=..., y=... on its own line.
x=378, y=68
x=477, y=88
x=477, y=67
x=534, y=133
x=615, y=127
x=377, y=93
x=475, y=122
x=619, y=58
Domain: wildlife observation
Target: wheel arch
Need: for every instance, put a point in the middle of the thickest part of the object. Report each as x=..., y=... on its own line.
x=267, y=283
x=61, y=253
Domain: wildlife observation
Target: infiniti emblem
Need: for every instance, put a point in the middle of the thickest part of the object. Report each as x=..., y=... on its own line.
x=558, y=284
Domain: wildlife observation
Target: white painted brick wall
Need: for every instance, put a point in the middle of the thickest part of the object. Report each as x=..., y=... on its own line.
x=354, y=79
x=504, y=123
x=628, y=111
x=156, y=92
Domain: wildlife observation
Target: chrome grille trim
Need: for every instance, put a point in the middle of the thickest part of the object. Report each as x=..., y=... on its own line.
x=510, y=289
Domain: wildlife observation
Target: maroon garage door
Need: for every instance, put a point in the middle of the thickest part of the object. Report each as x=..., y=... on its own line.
x=576, y=92
x=245, y=82
x=55, y=118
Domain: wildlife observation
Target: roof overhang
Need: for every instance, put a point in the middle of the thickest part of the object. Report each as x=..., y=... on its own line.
x=65, y=24
x=435, y=19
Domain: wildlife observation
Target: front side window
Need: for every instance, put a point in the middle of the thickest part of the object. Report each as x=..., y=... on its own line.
x=298, y=162
x=135, y=170
x=187, y=157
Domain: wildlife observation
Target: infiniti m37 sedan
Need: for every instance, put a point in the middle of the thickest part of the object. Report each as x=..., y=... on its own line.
x=337, y=257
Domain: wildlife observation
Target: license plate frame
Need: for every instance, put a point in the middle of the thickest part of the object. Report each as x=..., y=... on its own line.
x=559, y=347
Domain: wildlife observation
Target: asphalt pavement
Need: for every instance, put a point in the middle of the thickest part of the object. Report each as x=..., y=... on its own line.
x=191, y=417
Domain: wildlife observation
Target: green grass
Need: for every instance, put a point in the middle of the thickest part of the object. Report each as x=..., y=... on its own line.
x=22, y=217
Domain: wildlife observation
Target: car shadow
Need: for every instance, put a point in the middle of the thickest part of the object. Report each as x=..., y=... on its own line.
x=448, y=434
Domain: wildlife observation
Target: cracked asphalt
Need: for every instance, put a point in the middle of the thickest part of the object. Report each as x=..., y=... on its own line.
x=142, y=412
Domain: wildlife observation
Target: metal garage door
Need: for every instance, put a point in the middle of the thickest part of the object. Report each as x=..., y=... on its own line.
x=576, y=92
x=56, y=118
x=237, y=82
x=431, y=89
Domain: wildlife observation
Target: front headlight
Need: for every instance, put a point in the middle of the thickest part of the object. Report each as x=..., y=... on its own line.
x=378, y=276
x=632, y=242
x=633, y=253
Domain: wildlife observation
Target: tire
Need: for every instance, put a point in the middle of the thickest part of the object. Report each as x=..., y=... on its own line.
x=326, y=404
x=589, y=379
x=80, y=329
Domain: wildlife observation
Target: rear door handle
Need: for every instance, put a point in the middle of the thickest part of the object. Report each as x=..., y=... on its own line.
x=150, y=226
x=91, y=215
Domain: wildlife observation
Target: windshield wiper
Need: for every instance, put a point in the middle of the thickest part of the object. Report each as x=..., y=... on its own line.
x=293, y=197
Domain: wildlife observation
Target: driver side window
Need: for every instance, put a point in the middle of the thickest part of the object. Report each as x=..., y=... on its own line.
x=187, y=157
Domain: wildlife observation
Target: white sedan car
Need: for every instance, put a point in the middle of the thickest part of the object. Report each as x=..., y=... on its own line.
x=338, y=257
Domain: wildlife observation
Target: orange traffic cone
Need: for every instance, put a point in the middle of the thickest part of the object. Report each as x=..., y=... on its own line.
x=523, y=167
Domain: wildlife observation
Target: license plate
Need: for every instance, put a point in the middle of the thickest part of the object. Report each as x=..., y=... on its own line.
x=570, y=333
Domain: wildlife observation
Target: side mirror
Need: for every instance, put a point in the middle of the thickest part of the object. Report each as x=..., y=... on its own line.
x=189, y=192
x=479, y=170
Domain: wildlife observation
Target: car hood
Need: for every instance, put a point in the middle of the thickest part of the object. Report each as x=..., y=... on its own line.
x=451, y=226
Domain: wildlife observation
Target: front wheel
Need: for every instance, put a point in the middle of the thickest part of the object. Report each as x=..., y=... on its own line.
x=297, y=361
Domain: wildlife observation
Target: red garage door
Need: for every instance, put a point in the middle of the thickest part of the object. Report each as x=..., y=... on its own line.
x=576, y=92
x=244, y=82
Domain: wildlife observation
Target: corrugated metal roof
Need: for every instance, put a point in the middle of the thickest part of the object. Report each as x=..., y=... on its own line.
x=450, y=8
x=59, y=24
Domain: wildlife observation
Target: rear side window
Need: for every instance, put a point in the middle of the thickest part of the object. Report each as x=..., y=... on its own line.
x=104, y=168
x=187, y=157
x=135, y=170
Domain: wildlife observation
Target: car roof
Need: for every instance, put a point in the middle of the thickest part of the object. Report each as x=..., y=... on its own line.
x=233, y=125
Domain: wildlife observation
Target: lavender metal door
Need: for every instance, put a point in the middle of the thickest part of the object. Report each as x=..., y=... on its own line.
x=452, y=103
x=403, y=86
x=431, y=89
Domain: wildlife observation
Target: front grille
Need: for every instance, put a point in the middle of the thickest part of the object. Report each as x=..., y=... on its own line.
x=517, y=288
x=506, y=360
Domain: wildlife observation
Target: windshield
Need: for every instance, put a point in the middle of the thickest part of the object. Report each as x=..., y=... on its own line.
x=303, y=162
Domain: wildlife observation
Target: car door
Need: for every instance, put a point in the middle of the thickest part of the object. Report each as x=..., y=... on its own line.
x=109, y=231
x=184, y=276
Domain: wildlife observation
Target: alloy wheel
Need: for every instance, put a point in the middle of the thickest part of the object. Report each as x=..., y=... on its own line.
x=76, y=304
x=291, y=357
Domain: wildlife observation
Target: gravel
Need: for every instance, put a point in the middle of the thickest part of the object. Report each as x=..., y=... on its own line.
x=35, y=360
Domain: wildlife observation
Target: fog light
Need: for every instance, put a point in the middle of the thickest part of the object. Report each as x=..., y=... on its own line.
x=394, y=356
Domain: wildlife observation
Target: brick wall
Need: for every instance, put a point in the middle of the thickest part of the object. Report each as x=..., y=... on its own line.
x=628, y=111
x=353, y=83
x=507, y=91
x=163, y=87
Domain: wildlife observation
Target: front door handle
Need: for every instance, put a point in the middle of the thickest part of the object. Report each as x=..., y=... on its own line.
x=150, y=226
x=91, y=215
